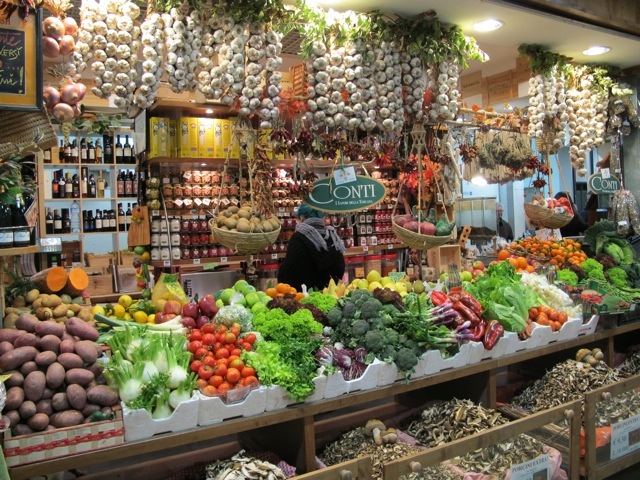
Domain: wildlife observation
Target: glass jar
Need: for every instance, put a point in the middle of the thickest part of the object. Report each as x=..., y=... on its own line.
x=155, y=254
x=167, y=190
x=185, y=253
x=372, y=262
x=155, y=225
x=204, y=238
x=164, y=239
x=174, y=224
x=185, y=238
x=195, y=239
x=163, y=226
x=175, y=239
x=389, y=263
x=185, y=225
x=196, y=252
x=165, y=253
x=267, y=276
x=176, y=253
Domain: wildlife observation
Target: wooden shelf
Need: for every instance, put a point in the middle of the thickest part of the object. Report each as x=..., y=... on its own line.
x=306, y=412
x=14, y=251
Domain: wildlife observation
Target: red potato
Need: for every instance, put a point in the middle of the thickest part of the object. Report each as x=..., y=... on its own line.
x=34, y=385
x=27, y=409
x=13, y=416
x=68, y=336
x=67, y=418
x=87, y=350
x=81, y=376
x=80, y=328
x=70, y=360
x=55, y=375
x=17, y=357
x=48, y=393
x=28, y=367
x=97, y=369
x=103, y=395
x=59, y=402
x=89, y=408
x=44, y=359
x=5, y=347
x=15, y=380
x=76, y=396
x=44, y=406
x=50, y=343
x=9, y=335
x=22, y=429
x=49, y=327
x=15, y=397
x=27, y=322
x=38, y=422
x=67, y=345
x=26, y=339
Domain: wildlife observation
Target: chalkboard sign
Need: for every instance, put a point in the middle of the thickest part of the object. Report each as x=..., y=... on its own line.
x=21, y=62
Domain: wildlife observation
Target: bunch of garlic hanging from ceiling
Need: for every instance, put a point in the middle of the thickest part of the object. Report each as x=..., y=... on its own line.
x=443, y=82
x=547, y=108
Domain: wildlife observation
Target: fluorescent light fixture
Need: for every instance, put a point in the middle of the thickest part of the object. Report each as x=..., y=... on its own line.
x=208, y=110
x=596, y=50
x=203, y=164
x=479, y=180
x=488, y=25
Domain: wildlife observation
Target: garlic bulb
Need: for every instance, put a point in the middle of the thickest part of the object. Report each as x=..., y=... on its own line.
x=442, y=82
x=548, y=104
x=183, y=39
x=152, y=37
x=413, y=81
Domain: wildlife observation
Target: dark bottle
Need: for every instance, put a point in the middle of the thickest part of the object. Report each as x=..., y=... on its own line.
x=21, y=235
x=55, y=185
x=74, y=152
x=119, y=151
x=68, y=186
x=66, y=221
x=46, y=156
x=67, y=153
x=113, y=222
x=98, y=152
x=120, y=183
x=92, y=221
x=91, y=158
x=108, y=150
x=98, y=217
x=84, y=182
x=61, y=184
x=75, y=186
x=127, y=216
x=86, y=226
x=49, y=222
x=92, y=187
x=122, y=225
x=61, y=157
x=134, y=185
x=84, y=151
x=128, y=184
x=126, y=151
x=57, y=222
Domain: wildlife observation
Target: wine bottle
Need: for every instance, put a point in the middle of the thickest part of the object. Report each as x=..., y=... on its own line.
x=122, y=226
x=128, y=184
x=86, y=226
x=127, y=216
x=57, y=222
x=126, y=151
x=98, y=218
x=74, y=152
x=66, y=221
x=92, y=153
x=22, y=234
x=46, y=154
x=67, y=152
x=55, y=184
x=84, y=182
x=108, y=150
x=134, y=185
x=119, y=151
x=92, y=221
x=100, y=185
x=120, y=183
x=75, y=186
x=49, y=222
x=84, y=151
x=98, y=155
x=61, y=158
x=113, y=222
x=61, y=184
x=68, y=185
x=92, y=186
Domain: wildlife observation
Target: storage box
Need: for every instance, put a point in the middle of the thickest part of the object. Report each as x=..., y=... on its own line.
x=188, y=137
x=127, y=281
x=206, y=138
x=61, y=442
x=215, y=410
x=138, y=423
x=435, y=362
x=442, y=257
x=368, y=380
x=158, y=137
x=100, y=284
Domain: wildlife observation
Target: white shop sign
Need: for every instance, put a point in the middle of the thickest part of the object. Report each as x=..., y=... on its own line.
x=537, y=469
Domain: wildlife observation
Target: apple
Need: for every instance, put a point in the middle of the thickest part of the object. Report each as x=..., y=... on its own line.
x=478, y=265
x=164, y=317
x=477, y=273
x=202, y=320
x=188, y=322
x=172, y=306
x=190, y=309
x=207, y=305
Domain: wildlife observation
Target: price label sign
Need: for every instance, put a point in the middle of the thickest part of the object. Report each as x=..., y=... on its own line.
x=606, y=173
x=536, y=469
x=625, y=437
x=196, y=261
x=274, y=256
x=389, y=247
x=155, y=213
x=166, y=263
x=365, y=249
x=223, y=260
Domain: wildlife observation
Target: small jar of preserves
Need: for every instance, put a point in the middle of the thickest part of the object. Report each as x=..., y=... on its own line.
x=185, y=252
x=175, y=239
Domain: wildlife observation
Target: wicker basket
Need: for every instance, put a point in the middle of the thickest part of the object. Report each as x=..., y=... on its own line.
x=20, y=128
x=417, y=240
x=126, y=257
x=99, y=259
x=546, y=217
x=243, y=243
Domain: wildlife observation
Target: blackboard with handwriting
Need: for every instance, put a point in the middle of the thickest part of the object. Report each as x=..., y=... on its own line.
x=12, y=61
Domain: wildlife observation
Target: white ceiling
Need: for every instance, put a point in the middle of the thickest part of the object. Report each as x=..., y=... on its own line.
x=567, y=37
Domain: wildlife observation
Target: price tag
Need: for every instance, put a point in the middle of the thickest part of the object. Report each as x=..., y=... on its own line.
x=379, y=206
x=389, y=247
x=439, y=197
x=389, y=207
x=209, y=266
x=196, y=261
x=606, y=173
x=274, y=256
x=281, y=209
x=623, y=437
x=166, y=263
x=365, y=249
x=155, y=213
x=223, y=260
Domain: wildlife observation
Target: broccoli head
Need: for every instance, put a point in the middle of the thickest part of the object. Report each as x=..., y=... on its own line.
x=334, y=317
x=387, y=354
x=359, y=328
x=406, y=359
x=374, y=341
x=370, y=308
x=349, y=310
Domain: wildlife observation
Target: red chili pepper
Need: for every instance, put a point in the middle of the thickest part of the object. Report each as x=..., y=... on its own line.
x=471, y=302
x=492, y=334
x=455, y=296
x=438, y=298
x=466, y=312
x=477, y=331
x=455, y=289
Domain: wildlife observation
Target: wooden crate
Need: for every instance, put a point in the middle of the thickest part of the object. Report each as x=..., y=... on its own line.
x=100, y=284
x=440, y=258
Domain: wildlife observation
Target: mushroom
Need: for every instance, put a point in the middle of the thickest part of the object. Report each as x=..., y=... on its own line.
x=597, y=353
x=374, y=428
x=389, y=436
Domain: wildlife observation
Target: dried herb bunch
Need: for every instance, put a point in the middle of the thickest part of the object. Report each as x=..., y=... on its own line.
x=261, y=174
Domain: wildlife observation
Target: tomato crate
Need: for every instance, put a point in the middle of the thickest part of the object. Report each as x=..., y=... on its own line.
x=40, y=446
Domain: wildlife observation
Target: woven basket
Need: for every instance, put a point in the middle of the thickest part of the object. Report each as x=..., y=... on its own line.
x=243, y=243
x=417, y=240
x=546, y=217
x=99, y=259
x=20, y=128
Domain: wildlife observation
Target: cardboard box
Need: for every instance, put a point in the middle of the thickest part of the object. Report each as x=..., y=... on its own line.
x=158, y=137
x=442, y=257
x=188, y=135
x=127, y=281
x=218, y=138
x=61, y=442
x=205, y=138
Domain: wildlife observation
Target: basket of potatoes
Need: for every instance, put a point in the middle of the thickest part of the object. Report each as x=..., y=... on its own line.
x=244, y=230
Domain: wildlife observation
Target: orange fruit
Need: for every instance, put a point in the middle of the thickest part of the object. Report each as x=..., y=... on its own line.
x=272, y=292
x=503, y=255
x=283, y=288
x=522, y=262
x=513, y=262
x=530, y=268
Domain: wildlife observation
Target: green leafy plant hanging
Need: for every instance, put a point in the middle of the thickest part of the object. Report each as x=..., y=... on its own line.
x=542, y=61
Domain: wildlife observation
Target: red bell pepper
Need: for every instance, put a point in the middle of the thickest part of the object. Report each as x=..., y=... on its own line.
x=477, y=331
x=492, y=334
x=438, y=298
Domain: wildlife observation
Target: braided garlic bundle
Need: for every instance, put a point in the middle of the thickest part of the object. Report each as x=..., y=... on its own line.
x=183, y=39
x=413, y=80
x=152, y=39
x=443, y=81
x=547, y=106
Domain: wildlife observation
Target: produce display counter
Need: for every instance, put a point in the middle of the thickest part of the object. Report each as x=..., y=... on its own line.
x=477, y=381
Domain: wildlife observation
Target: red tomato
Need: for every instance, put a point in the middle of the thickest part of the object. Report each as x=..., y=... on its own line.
x=247, y=346
x=238, y=364
x=216, y=346
x=222, y=353
x=195, y=345
x=195, y=366
x=235, y=330
x=224, y=387
x=221, y=370
x=201, y=383
x=210, y=391
x=221, y=329
x=230, y=337
x=231, y=358
x=250, y=337
x=216, y=380
x=208, y=338
x=222, y=361
x=209, y=360
x=233, y=375
x=205, y=372
x=250, y=381
x=209, y=327
x=201, y=352
x=236, y=351
x=248, y=372
x=195, y=335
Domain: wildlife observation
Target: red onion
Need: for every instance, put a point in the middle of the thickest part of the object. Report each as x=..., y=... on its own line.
x=53, y=27
x=70, y=94
x=51, y=96
x=66, y=44
x=63, y=112
x=50, y=47
x=82, y=90
x=70, y=26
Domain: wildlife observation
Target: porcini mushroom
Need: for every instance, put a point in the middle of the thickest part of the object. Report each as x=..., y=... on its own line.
x=389, y=436
x=374, y=428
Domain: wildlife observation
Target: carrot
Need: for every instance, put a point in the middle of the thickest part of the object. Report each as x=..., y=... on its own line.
x=51, y=280
x=77, y=282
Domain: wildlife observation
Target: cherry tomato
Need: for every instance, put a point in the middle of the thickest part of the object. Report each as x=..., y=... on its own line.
x=209, y=327
x=195, y=366
x=209, y=360
x=229, y=337
x=201, y=352
x=250, y=337
x=233, y=375
x=221, y=370
x=248, y=372
x=216, y=346
x=195, y=345
x=208, y=338
x=247, y=346
x=210, y=391
x=235, y=330
x=222, y=353
x=221, y=329
x=237, y=363
x=224, y=387
x=216, y=380
x=250, y=381
x=236, y=351
x=195, y=335
x=201, y=383
x=205, y=372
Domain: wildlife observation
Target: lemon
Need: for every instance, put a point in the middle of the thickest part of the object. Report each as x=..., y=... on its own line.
x=145, y=257
x=118, y=311
x=125, y=301
x=151, y=318
x=98, y=310
x=128, y=317
x=140, y=317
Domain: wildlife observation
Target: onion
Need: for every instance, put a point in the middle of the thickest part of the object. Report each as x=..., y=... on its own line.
x=51, y=96
x=50, y=47
x=63, y=112
x=66, y=44
x=82, y=90
x=70, y=94
x=53, y=27
x=70, y=26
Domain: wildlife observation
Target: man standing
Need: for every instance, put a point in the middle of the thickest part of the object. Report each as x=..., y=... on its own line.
x=503, y=230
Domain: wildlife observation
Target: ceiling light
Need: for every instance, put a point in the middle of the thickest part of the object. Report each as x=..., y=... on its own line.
x=596, y=50
x=208, y=110
x=488, y=25
x=479, y=180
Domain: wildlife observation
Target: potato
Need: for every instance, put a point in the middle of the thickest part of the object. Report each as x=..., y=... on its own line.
x=55, y=375
x=81, y=376
x=85, y=315
x=10, y=319
x=44, y=406
x=49, y=327
x=68, y=336
x=5, y=347
x=89, y=408
x=17, y=357
x=66, y=298
x=103, y=395
x=26, y=339
x=32, y=296
x=75, y=308
x=62, y=321
x=34, y=385
x=68, y=418
x=60, y=310
x=78, y=327
x=87, y=350
x=22, y=429
x=59, y=402
x=38, y=422
x=50, y=343
x=44, y=313
x=9, y=335
x=48, y=393
x=70, y=360
x=27, y=409
x=52, y=301
x=68, y=345
x=27, y=322
x=96, y=368
x=15, y=380
x=44, y=359
x=19, y=302
x=13, y=416
x=77, y=396
x=37, y=303
x=15, y=397
x=28, y=367
x=12, y=310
